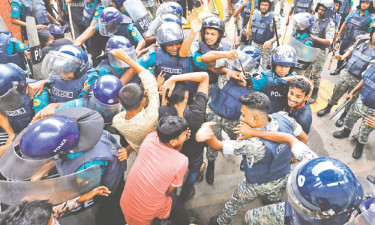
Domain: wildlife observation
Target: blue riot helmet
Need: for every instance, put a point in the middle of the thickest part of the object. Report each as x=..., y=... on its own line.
x=110, y=19
x=159, y=20
x=329, y=5
x=284, y=55
x=66, y=59
x=57, y=31
x=171, y=7
x=12, y=86
x=304, y=21
x=105, y=97
x=117, y=42
x=169, y=17
x=169, y=33
x=213, y=22
x=248, y=60
x=49, y=137
x=370, y=8
x=323, y=187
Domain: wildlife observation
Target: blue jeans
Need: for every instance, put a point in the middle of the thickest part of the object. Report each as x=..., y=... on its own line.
x=194, y=169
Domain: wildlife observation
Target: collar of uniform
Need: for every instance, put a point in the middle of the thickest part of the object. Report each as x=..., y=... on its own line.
x=302, y=36
x=359, y=11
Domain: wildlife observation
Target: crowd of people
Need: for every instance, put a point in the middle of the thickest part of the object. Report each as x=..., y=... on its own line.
x=130, y=78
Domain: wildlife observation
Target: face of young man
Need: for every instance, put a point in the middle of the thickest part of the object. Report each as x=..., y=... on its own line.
x=282, y=71
x=264, y=6
x=321, y=11
x=296, y=97
x=337, y=6
x=173, y=49
x=67, y=76
x=178, y=142
x=365, y=6
x=211, y=36
x=249, y=116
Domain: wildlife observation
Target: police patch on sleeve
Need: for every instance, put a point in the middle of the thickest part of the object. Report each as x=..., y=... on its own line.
x=36, y=102
x=146, y=57
x=15, y=8
x=96, y=13
x=134, y=34
x=199, y=59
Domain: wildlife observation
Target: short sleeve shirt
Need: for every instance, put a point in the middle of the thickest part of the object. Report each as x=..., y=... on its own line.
x=370, y=20
x=17, y=9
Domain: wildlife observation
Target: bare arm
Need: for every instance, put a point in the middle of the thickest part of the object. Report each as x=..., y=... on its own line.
x=239, y=9
x=89, y=32
x=141, y=44
x=120, y=54
x=212, y=56
x=127, y=76
x=206, y=134
x=320, y=40
x=341, y=30
x=4, y=123
x=200, y=77
x=196, y=25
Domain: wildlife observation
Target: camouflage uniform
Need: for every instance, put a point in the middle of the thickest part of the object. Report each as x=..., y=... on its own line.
x=270, y=214
x=265, y=54
x=315, y=69
x=255, y=151
x=357, y=111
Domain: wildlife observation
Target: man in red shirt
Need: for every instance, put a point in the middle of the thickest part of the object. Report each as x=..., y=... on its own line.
x=158, y=170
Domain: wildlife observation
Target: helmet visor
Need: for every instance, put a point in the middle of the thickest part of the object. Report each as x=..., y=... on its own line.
x=118, y=63
x=245, y=62
x=58, y=62
x=108, y=29
x=105, y=110
x=11, y=100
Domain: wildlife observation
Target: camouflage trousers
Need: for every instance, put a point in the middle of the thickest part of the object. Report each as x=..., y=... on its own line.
x=315, y=69
x=267, y=215
x=245, y=193
x=222, y=124
x=357, y=111
x=265, y=54
x=346, y=83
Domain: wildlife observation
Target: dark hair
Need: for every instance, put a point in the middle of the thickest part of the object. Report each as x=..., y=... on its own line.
x=256, y=100
x=44, y=36
x=302, y=84
x=163, y=47
x=178, y=93
x=131, y=96
x=31, y=213
x=370, y=9
x=170, y=127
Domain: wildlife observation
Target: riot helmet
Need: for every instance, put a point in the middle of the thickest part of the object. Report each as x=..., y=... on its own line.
x=329, y=5
x=49, y=137
x=248, y=60
x=65, y=59
x=169, y=33
x=371, y=8
x=213, y=22
x=12, y=86
x=110, y=19
x=270, y=7
x=159, y=20
x=171, y=7
x=117, y=42
x=105, y=97
x=323, y=187
x=57, y=31
x=305, y=21
x=169, y=17
x=284, y=55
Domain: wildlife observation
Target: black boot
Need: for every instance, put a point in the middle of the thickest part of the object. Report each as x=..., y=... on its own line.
x=314, y=95
x=213, y=221
x=342, y=133
x=357, y=153
x=340, y=121
x=355, y=137
x=242, y=166
x=210, y=172
x=371, y=179
x=325, y=111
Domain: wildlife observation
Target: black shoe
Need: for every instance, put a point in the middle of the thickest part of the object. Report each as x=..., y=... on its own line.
x=357, y=153
x=213, y=221
x=314, y=95
x=282, y=12
x=371, y=179
x=210, y=172
x=342, y=133
x=242, y=166
x=341, y=120
x=356, y=137
x=325, y=111
x=335, y=72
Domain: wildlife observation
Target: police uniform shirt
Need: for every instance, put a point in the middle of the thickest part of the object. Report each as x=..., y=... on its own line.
x=195, y=48
x=260, y=81
x=148, y=61
x=131, y=29
x=293, y=5
x=330, y=30
x=17, y=9
x=303, y=36
x=16, y=46
x=254, y=147
x=370, y=20
x=97, y=12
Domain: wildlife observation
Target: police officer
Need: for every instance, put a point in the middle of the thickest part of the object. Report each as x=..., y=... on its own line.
x=326, y=197
x=67, y=66
x=232, y=6
x=154, y=25
x=20, y=9
x=263, y=33
x=76, y=8
x=299, y=6
x=113, y=22
x=57, y=31
x=363, y=107
x=224, y=105
x=267, y=163
x=304, y=24
x=211, y=32
x=15, y=105
x=345, y=8
x=103, y=97
x=359, y=21
x=11, y=50
x=322, y=35
x=336, y=16
x=361, y=54
x=75, y=137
